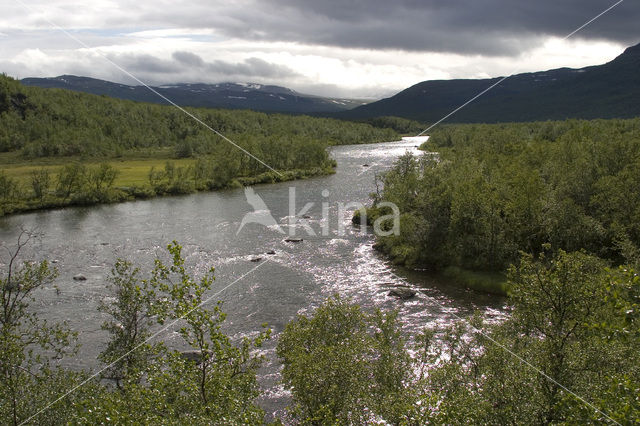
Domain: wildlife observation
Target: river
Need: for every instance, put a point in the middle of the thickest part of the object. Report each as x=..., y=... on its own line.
x=294, y=280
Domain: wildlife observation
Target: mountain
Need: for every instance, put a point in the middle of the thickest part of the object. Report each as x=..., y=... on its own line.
x=611, y=90
x=256, y=97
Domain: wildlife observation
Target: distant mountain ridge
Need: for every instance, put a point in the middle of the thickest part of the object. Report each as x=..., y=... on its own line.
x=611, y=90
x=257, y=97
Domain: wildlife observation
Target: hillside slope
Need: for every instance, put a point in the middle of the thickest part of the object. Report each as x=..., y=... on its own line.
x=251, y=96
x=611, y=90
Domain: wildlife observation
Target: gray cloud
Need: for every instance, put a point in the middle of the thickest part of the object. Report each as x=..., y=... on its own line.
x=250, y=67
x=187, y=66
x=147, y=64
x=188, y=58
x=464, y=26
x=489, y=27
x=487, y=33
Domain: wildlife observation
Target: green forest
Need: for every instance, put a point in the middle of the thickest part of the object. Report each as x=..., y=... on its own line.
x=494, y=191
x=59, y=147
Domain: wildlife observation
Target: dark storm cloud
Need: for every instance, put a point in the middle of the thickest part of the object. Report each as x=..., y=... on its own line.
x=488, y=26
x=493, y=27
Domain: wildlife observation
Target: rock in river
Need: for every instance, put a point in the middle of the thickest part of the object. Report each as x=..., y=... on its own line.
x=79, y=277
x=403, y=293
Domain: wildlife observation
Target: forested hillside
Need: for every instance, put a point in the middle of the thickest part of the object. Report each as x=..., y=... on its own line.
x=61, y=147
x=39, y=123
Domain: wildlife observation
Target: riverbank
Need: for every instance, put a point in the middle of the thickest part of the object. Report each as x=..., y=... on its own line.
x=481, y=281
x=134, y=179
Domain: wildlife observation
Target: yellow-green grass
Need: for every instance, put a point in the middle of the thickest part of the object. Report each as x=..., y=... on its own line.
x=132, y=180
x=136, y=172
x=131, y=172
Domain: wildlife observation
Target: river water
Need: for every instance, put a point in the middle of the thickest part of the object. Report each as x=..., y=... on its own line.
x=338, y=259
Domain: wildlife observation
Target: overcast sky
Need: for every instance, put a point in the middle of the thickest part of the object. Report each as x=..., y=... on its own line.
x=356, y=48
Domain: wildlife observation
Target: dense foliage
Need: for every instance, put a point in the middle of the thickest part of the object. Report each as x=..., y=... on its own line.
x=347, y=366
x=212, y=382
x=567, y=354
x=492, y=191
x=400, y=125
x=53, y=122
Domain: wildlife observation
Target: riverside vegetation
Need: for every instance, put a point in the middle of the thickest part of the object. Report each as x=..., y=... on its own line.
x=494, y=191
x=568, y=353
x=59, y=147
